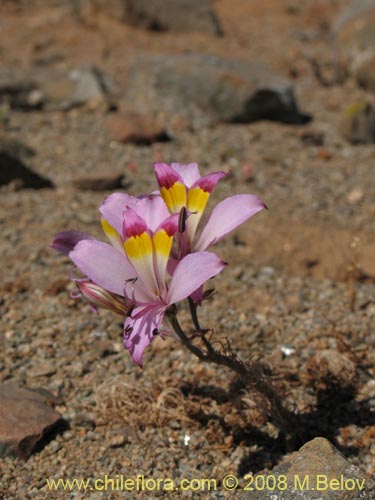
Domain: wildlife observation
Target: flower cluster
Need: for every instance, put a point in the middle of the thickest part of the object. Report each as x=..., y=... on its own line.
x=156, y=256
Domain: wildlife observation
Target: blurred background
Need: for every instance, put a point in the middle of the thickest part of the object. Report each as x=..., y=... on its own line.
x=280, y=92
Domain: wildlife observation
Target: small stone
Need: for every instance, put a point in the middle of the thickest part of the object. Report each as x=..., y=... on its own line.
x=324, y=154
x=25, y=417
x=99, y=183
x=330, y=365
x=312, y=137
x=135, y=128
x=42, y=370
x=355, y=196
x=118, y=441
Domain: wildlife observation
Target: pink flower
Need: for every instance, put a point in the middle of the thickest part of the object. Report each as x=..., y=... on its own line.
x=148, y=251
x=182, y=187
x=134, y=268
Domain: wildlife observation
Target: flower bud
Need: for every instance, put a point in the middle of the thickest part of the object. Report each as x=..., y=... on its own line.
x=99, y=297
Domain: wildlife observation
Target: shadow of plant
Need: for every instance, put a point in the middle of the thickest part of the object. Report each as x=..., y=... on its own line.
x=335, y=408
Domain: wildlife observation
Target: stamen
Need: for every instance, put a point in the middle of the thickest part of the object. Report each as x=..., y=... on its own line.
x=182, y=220
x=128, y=330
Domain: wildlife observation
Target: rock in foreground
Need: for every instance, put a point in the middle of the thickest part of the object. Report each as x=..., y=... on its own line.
x=25, y=417
x=317, y=471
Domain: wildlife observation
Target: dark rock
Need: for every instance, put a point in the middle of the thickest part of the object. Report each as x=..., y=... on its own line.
x=19, y=90
x=136, y=128
x=99, y=183
x=205, y=89
x=316, y=472
x=25, y=417
x=358, y=123
x=13, y=169
x=179, y=15
x=15, y=147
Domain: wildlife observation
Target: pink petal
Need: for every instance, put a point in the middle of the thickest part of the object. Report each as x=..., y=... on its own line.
x=226, y=216
x=103, y=264
x=113, y=209
x=166, y=175
x=140, y=332
x=189, y=173
x=152, y=209
x=170, y=224
x=191, y=272
x=139, y=250
x=65, y=241
x=208, y=182
x=133, y=224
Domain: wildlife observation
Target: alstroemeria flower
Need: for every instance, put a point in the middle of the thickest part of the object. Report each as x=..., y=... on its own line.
x=181, y=186
x=130, y=276
x=148, y=252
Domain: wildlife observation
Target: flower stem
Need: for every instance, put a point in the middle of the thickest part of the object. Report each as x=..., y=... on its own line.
x=252, y=375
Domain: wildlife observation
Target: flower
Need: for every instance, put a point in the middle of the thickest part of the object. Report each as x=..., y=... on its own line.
x=130, y=275
x=140, y=274
x=148, y=251
x=185, y=191
x=182, y=187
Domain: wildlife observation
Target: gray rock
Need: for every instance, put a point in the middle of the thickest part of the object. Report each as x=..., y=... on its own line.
x=51, y=89
x=206, y=89
x=317, y=471
x=179, y=15
x=25, y=417
x=68, y=90
x=13, y=169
